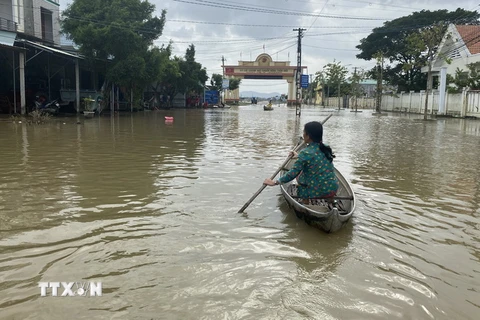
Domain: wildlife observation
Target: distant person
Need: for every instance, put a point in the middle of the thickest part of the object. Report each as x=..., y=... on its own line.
x=314, y=168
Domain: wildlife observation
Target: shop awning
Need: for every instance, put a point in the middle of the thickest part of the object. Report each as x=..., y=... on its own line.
x=50, y=49
x=7, y=38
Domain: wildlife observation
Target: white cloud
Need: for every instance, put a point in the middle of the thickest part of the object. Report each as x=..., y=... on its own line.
x=326, y=39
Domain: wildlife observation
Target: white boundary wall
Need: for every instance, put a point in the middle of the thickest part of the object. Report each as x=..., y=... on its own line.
x=464, y=104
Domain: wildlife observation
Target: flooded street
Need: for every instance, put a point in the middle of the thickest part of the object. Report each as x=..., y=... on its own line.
x=149, y=209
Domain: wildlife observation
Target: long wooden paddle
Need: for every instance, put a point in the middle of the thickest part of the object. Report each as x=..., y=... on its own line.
x=299, y=145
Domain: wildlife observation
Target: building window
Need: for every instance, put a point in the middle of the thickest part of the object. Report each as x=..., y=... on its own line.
x=47, y=25
x=455, y=53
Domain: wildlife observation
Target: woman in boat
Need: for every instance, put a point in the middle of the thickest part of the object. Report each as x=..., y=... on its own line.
x=314, y=168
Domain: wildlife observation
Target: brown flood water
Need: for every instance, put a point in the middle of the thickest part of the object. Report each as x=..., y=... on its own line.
x=150, y=210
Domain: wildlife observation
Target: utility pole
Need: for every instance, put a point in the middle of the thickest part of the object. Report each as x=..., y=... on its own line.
x=298, y=107
x=223, y=77
x=356, y=87
x=223, y=65
x=379, y=84
x=311, y=90
x=339, y=96
x=323, y=91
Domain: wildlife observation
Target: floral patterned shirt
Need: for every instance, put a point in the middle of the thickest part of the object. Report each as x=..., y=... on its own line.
x=316, y=175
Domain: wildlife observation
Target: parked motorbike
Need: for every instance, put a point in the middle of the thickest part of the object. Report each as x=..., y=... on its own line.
x=44, y=106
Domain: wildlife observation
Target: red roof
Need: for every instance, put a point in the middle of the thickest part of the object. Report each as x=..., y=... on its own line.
x=471, y=37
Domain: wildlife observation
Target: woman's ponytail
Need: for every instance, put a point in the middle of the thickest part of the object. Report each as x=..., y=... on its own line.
x=327, y=151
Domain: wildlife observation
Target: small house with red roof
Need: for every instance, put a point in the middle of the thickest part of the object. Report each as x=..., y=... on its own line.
x=459, y=47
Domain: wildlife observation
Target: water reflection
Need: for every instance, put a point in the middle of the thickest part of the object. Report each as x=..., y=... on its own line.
x=150, y=208
x=329, y=252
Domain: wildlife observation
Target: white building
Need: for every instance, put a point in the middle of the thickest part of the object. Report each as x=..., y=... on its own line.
x=459, y=47
x=31, y=19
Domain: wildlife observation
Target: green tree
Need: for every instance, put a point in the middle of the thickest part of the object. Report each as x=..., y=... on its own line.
x=426, y=42
x=355, y=88
x=404, y=70
x=335, y=75
x=194, y=75
x=172, y=80
x=162, y=71
x=121, y=31
x=377, y=74
x=216, y=82
x=112, y=28
x=234, y=83
x=188, y=76
x=465, y=79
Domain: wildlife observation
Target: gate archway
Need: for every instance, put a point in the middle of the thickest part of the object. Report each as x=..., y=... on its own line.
x=263, y=68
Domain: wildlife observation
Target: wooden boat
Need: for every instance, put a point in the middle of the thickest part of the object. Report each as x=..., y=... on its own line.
x=268, y=107
x=329, y=217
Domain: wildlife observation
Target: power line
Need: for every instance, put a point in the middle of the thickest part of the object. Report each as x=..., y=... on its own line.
x=255, y=40
x=325, y=48
x=389, y=30
x=418, y=27
x=152, y=31
x=247, y=47
x=393, y=30
x=326, y=2
x=225, y=41
x=269, y=25
x=468, y=42
x=305, y=1
x=114, y=25
x=382, y=4
x=474, y=40
x=215, y=54
x=366, y=2
x=336, y=33
x=273, y=11
x=244, y=42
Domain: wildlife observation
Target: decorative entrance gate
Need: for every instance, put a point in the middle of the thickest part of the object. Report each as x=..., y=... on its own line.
x=262, y=68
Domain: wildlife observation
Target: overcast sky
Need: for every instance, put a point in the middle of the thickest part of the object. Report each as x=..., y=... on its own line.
x=241, y=34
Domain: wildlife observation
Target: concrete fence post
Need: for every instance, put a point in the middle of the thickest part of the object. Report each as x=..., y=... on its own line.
x=432, y=102
x=410, y=98
x=401, y=101
x=464, y=106
x=423, y=94
x=447, y=96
